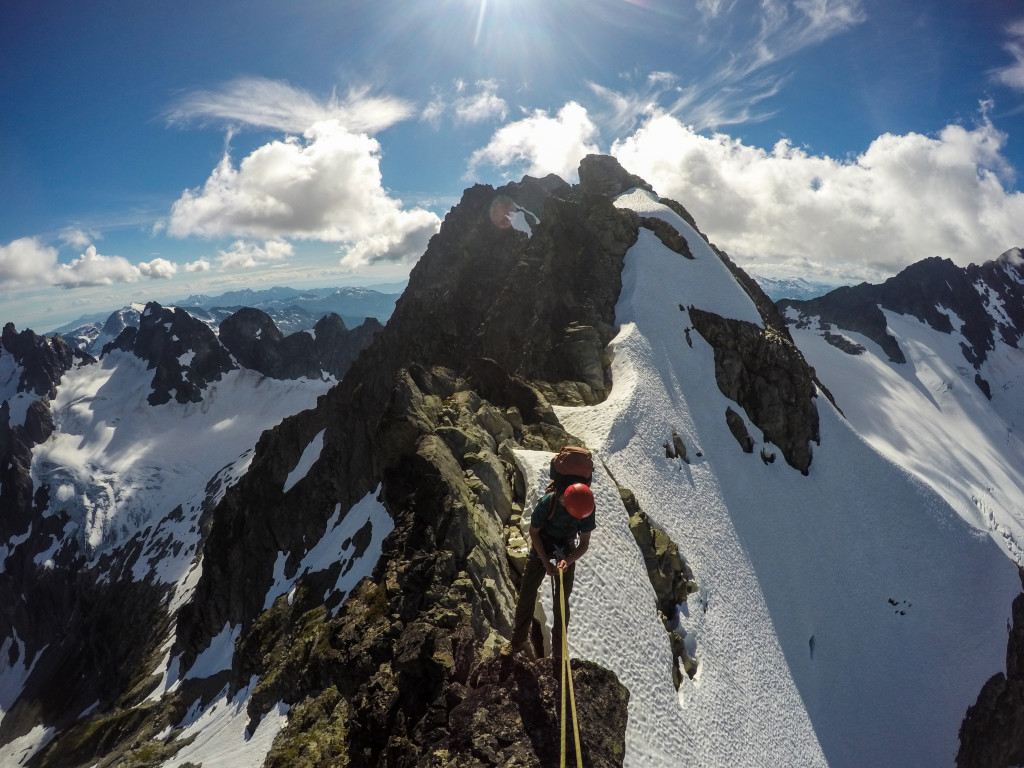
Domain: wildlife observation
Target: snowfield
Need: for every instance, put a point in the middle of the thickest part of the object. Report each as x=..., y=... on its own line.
x=928, y=416
x=118, y=463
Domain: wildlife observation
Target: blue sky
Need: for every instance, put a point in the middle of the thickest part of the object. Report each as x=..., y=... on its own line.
x=150, y=150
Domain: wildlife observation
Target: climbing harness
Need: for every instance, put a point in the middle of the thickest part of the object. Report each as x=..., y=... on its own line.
x=567, y=676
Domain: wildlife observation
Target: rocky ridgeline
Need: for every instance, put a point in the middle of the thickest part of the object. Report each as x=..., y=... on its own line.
x=494, y=328
x=930, y=290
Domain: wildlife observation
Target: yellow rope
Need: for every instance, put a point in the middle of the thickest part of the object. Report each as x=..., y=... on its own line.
x=567, y=675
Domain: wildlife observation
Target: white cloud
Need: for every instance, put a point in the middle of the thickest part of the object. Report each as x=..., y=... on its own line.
x=1012, y=75
x=905, y=198
x=92, y=268
x=741, y=43
x=159, y=269
x=77, y=237
x=26, y=262
x=274, y=104
x=712, y=8
x=434, y=111
x=199, y=265
x=483, y=105
x=541, y=143
x=467, y=107
x=243, y=254
x=392, y=244
x=326, y=186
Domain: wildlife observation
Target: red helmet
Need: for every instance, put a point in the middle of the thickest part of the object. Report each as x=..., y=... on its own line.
x=578, y=500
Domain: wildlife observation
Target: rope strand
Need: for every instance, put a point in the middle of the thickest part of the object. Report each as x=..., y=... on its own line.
x=567, y=675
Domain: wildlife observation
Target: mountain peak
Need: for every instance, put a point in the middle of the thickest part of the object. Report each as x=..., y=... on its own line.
x=184, y=353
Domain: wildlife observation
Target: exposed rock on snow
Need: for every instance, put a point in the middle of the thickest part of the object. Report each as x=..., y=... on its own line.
x=765, y=373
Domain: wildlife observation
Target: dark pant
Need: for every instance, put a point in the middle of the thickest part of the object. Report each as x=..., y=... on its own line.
x=533, y=576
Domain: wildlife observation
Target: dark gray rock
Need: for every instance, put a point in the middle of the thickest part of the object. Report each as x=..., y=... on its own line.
x=738, y=428
x=992, y=732
x=764, y=373
x=256, y=342
x=183, y=352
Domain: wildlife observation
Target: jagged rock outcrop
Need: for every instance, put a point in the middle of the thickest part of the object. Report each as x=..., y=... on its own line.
x=603, y=175
x=764, y=372
x=670, y=576
x=184, y=352
x=738, y=428
x=254, y=339
x=42, y=363
x=510, y=716
x=987, y=301
x=992, y=733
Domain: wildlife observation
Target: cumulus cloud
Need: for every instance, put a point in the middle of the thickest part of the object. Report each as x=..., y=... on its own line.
x=907, y=197
x=1012, y=75
x=484, y=104
x=242, y=254
x=390, y=244
x=541, y=144
x=274, y=104
x=324, y=186
x=159, y=269
x=199, y=265
x=92, y=268
x=26, y=261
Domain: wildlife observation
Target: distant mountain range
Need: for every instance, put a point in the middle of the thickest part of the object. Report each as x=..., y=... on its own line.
x=291, y=310
x=792, y=287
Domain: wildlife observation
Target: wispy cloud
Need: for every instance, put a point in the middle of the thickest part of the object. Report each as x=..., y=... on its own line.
x=467, y=105
x=274, y=104
x=746, y=41
x=1012, y=75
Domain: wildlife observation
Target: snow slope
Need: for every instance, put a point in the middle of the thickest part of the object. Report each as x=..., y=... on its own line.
x=929, y=416
x=846, y=618
x=117, y=463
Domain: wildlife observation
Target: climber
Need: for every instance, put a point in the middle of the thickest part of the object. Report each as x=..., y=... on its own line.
x=560, y=536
